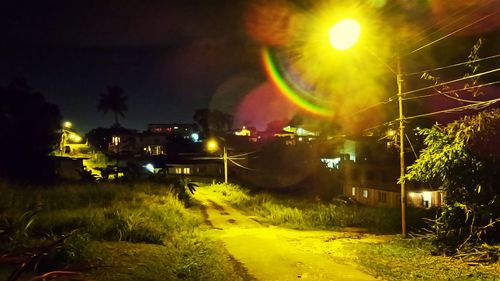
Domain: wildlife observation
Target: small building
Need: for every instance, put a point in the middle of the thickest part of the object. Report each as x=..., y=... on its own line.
x=196, y=168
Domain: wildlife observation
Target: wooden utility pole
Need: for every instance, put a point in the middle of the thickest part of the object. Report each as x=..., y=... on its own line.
x=225, y=165
x=401, y=147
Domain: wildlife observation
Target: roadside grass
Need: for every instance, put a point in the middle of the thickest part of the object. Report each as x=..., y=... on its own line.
x=397, y=259
x=301, y=213
x=117, y=231
x=411, y=259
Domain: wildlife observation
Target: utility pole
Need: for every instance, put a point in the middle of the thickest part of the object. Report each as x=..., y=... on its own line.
x=225, y=164
x=401, y=146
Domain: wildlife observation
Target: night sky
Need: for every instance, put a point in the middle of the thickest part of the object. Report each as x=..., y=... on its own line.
x=170, y=57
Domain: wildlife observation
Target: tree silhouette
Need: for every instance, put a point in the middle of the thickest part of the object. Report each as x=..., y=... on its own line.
x=28, y=131
x=213, y=122
x=113, y=100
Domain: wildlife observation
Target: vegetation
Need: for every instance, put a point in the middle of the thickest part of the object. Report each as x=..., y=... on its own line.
x=109, y=231
x=28, y=131
x=309, y=214
x=113, y=100
x=412, y=259
x=213, y=122
x=462, y=159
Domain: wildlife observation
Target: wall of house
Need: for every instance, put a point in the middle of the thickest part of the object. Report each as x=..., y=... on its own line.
x=372, y=196
x=196, y=169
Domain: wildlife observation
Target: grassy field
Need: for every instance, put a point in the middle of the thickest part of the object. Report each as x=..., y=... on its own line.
x=142, y=231
x=116, y=231
x=303, y=213
x=399, y=259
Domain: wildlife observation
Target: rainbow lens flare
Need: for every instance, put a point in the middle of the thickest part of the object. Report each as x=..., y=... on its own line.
x=278, y=75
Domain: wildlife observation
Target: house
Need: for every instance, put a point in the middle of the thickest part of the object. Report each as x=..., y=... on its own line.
x=196, y=167
x=369, y=173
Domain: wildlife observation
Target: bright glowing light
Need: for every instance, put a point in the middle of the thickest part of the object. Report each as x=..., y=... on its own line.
x=391, y=133
x=344, y=34
x=149, y=167
x=67, y=124
x=74, y=137
x=195, y=137
x=212, y=145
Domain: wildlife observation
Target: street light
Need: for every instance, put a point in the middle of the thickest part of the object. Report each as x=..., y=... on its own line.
x=343, y=35
x=212, y=146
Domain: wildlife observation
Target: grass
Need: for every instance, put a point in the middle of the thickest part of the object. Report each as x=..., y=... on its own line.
x=122, y=231
x=303, y=213
x=399, y=259
x=411, y=259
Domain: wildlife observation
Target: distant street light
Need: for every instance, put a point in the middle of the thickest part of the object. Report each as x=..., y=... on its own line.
x=213, y=146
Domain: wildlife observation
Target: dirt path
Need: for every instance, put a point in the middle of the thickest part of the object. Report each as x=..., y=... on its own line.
x=275, y=253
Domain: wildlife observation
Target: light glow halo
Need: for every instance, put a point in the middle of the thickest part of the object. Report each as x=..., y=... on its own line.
x=344, y=34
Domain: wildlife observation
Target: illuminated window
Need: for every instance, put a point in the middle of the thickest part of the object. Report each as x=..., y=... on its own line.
x=382, y=196
x=365, y=193
x=178, y=170
x=353, y=191
x=187, y=171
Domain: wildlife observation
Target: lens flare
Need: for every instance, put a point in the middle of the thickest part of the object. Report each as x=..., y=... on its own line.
x=288, y=88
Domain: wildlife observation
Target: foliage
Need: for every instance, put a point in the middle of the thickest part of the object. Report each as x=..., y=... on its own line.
x=307, y=214
x=462, y=158
x=28, y=131
x=213, y=122
x=411, y=259
x=113, y=100
x=121, y=231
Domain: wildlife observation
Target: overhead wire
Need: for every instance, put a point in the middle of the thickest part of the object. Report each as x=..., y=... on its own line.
x=452, y=81
x=454, y=91
x=452, y=65
x=451, y=33
x=477, y=106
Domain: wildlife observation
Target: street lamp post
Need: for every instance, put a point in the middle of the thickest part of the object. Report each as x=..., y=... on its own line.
x=213, y=146
x=343, y=35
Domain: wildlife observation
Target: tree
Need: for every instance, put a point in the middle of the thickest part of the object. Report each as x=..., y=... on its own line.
x=462, y=158
x=213, y=122
x=28, y=131
x=113, y=100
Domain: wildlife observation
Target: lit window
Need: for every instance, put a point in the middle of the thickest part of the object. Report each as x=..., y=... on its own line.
x=187, y=171
x=178, y=170
x=353, y=191
x=365, y=193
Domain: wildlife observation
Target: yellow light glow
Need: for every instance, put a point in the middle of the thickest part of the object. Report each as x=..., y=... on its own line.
x=391, y=133
x=344, y=34
x=212, y=145
x=74, y=137
x=67, y=124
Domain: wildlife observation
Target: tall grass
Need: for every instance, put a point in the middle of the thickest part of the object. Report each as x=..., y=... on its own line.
x=107, y=219
x=303, y=213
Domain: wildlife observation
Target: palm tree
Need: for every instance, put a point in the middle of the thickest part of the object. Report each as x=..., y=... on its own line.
x=113, y=100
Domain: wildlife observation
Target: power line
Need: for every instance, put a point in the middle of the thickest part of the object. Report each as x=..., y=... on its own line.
x=453, y=91
x=243, y=167
x=451, y=33
x=477, y=106
x=452, y=65
x=456, y=19
x=452, y=81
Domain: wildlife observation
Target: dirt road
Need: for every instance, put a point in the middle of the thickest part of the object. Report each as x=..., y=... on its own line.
x=275, y=253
